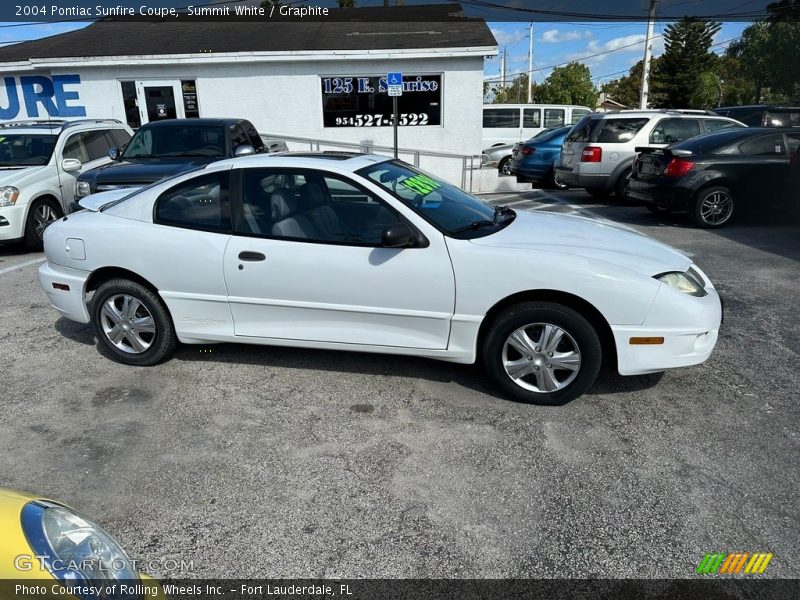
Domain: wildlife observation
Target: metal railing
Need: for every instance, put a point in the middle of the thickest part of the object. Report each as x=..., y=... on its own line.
x=469, y=162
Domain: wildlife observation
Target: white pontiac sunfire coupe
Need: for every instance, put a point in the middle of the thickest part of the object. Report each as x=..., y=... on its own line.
x=361, y=252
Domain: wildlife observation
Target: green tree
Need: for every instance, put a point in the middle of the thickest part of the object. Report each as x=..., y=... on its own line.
x=514, y=93
x=767, y=53
x=627, y=89
x=570, y=84
x=687, y=55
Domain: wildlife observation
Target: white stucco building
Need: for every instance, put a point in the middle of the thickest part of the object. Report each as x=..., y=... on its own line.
x=320, y=80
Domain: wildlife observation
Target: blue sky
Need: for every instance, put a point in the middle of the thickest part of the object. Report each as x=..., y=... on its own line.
x=618, y=46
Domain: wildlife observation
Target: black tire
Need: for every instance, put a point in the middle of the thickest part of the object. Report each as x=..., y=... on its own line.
x=162, y=341
x=504, y=167
x=699, y=208
x=33, y=224
x=598, y=193
x=579, y=333
x=621, y=187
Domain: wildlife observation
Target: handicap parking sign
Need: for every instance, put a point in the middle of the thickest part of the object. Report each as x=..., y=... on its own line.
x=394, y=83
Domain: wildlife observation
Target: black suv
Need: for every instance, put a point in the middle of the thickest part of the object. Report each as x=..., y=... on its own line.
x=166, y=148
x=763, y=115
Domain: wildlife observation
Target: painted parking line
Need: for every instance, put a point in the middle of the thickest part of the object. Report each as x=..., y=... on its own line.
x=22, y=265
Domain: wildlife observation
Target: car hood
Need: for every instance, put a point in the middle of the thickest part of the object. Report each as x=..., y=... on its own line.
x=143, y=171
x=10, y=175
x=595, y=239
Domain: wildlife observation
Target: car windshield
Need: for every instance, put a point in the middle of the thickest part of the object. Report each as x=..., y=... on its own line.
x=452, y=210
x=164, y=141
x=26, y=149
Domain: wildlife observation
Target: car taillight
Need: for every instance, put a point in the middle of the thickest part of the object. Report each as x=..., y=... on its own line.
x=592, y=154
x=527, y=150
x=678, y=167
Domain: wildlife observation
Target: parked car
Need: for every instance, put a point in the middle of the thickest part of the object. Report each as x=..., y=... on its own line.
x=165, y=148
x=365, y=253
x=500, y=156
x=763, y=115
x=535, y=159
x=598, y=153
x=48, y=545
x=511, y=123
x=39, y=161
x=717, y=175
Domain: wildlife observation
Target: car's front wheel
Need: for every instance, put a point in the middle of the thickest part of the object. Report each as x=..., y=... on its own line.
x=131, y=323
x=41, y=213
x=542, y=353
x=504, y=168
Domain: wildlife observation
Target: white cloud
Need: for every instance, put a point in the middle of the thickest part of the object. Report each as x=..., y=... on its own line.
x=554, y=36
x=502, y=36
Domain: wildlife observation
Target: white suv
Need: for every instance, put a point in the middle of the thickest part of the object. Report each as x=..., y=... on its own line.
x=39, y=163
x=598, y=152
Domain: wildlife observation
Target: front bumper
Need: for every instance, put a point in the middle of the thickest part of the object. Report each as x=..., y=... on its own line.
x=71, y=302
x=12, y=221
x=690, y=328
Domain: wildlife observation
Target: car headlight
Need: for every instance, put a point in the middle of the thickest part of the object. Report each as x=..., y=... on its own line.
x=8, y=195
x=72, y=548
x=82, y=189
x=688, y=282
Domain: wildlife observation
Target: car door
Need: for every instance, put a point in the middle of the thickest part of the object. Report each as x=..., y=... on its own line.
x=765, y=170
x=89, y=147
x=306, y=263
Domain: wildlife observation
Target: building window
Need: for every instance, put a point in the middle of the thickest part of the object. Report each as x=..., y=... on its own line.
x=131, y=104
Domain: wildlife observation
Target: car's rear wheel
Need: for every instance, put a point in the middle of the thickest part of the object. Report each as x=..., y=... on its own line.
x=41, y=213
x=621, y=188
x=713, y=207
x=542, y=353
x=131, y=323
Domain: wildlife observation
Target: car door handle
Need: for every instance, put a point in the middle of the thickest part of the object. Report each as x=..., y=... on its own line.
x=251, y=256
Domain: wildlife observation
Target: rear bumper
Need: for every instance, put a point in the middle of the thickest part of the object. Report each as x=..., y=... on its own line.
x=690, y=328
x=70, y=303
x=531, y=170
x=673, y=198
x=573, y=179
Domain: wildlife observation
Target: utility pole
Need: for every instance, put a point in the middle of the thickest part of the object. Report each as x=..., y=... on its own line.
x=648, y=53
x=530, y=65
x=503, y=69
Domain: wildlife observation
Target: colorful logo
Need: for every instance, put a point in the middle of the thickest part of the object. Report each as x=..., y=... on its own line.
x=735, y=563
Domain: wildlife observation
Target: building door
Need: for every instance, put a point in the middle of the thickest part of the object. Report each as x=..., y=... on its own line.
x=159, y=99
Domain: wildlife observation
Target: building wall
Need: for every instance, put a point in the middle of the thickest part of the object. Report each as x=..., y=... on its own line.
x=285, y=98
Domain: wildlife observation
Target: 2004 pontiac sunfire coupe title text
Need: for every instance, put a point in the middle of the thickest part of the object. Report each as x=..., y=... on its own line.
x=360, y=252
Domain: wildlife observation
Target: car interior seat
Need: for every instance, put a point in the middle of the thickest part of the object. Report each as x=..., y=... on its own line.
x=314, y=202
x=287, y=221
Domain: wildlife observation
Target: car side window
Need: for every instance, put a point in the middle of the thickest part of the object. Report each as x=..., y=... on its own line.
x=578, y=114
x=765, y=145
x=312, y=206
x=554, y=117
x=75, y=148
x=496, y=118
x=671, y=131
x=199, y=203
x=531, y=117
x=120, y=137
x=238, y=137
x=619, y=130
x=97, y=144
x=717, y=124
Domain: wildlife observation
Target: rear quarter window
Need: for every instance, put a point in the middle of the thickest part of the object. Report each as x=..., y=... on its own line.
x=618, y=130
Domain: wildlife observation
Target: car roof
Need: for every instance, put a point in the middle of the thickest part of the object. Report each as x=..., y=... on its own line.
x=193, y=121
x=760, y=106
x=654, y=112
x=722, y=136
x=56, y=126
x=337, y=161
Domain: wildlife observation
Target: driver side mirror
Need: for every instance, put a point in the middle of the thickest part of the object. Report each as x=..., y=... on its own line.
x=70, y=165
x=398, y=235
x=244, y=150
x=114, y=153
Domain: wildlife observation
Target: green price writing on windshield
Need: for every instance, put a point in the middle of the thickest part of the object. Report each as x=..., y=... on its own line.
x=422, y=184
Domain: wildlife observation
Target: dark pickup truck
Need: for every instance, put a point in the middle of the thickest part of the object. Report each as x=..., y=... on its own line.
x=166, y=148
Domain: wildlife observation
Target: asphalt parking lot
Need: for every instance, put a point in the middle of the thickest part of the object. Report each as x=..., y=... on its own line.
x=260, y=462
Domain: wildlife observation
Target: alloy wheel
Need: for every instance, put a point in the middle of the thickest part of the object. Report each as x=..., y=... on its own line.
x=43, y=215
x=128, y=324
x=541, y=357
x=716, y=208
